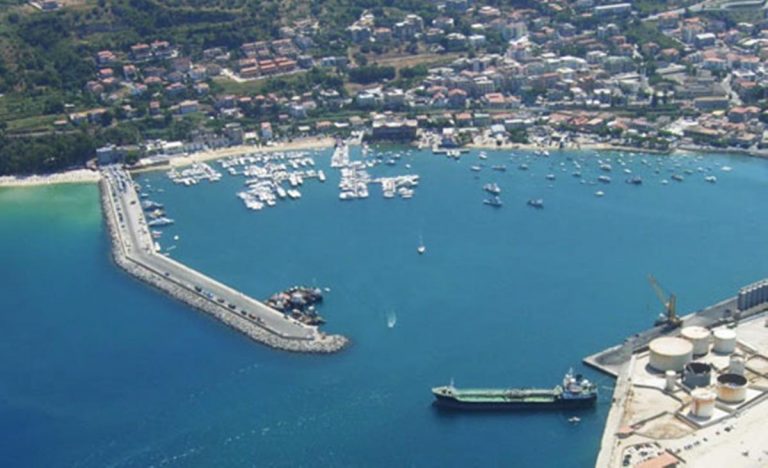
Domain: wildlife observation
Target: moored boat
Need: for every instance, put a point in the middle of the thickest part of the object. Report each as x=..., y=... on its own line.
x=575, y=392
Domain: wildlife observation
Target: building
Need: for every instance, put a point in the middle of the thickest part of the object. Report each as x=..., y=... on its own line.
x=394, y=130
x=266, y=131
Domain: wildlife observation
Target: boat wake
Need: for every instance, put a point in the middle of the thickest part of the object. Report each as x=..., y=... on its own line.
x=391, y=320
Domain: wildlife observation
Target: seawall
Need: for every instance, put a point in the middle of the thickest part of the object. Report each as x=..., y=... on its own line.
x=316, y=343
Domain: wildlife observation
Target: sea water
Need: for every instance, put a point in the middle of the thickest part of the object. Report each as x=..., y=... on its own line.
x=97, y=369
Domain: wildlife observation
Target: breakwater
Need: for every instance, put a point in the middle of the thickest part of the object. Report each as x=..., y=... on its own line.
x=133, y=251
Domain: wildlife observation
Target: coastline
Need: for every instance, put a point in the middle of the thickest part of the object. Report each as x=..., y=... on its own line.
x=202, y=156
x=85, y=176
x=74, y=176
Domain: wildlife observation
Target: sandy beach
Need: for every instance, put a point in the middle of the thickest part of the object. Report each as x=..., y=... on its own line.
x=295, y=145
x=75, y=176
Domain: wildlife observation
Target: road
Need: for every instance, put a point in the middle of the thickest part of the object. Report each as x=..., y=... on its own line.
x=139, y=247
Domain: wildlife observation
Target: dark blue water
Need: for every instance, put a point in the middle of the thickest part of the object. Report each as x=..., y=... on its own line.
x=99, y=370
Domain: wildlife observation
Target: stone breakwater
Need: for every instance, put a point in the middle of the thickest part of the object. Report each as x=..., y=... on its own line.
x=322, y=344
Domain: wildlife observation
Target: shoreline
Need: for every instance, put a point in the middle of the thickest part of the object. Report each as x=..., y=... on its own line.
x=73, y=176
x=88, y=176
x=202, y=156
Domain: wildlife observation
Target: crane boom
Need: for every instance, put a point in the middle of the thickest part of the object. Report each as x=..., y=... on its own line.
x=668, y=300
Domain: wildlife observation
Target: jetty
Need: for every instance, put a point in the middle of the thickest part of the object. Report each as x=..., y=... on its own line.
x=135, y=252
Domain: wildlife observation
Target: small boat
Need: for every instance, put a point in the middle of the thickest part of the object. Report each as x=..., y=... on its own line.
x=726, y=168
x=604, y=179
x=493, y=188
x=523, y=167
x=500, y=168
x=599, y=193
x=421, y=249
x=677, y=177
x=475, y=168
x=493, y=201
x=482, y=155
x=711, y=179
x=550, y=177
x=391, y=320
x=574, y=420
x=536, y=203
x=636, y=180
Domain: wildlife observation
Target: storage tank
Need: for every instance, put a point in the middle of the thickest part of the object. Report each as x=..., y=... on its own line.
x=736, y=365
x=671, y=378
x=670, y=353
x=697, y=374
x=699, y=337
x=725, y=341
x=731, y=388
x=703, y=403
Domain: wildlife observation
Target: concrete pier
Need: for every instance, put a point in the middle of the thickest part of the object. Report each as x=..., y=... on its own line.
x=611, y=360
x=134, y=251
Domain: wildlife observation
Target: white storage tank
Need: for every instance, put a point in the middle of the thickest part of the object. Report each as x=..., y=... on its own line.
x=699, y=337
x=731, y=388
x=670, y=353
x=671, y=378
x=725, y=341
x=736, y=364
x=703, y=403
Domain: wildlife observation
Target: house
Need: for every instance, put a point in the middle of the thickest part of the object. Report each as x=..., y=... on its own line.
x=188, y=107
x=266, y=131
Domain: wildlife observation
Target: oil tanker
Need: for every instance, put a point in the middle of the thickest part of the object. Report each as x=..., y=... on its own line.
x=575, y=392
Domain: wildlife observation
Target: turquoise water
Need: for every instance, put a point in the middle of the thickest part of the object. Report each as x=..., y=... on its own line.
x=99, y=370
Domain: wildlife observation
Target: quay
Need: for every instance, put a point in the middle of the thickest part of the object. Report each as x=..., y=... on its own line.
x=694, y=394
x=613, y=359
x=134, y=251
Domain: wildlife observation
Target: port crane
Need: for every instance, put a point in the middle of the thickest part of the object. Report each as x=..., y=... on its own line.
x=669, y=301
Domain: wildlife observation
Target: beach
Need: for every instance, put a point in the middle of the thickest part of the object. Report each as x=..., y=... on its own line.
x=294, y=145
x=75, y=176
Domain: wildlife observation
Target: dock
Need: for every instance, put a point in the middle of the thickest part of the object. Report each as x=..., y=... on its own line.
x=655, y=418
x=135, y=252
x=613, y=359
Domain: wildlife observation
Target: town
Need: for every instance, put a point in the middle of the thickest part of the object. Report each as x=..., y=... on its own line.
x=557, y=74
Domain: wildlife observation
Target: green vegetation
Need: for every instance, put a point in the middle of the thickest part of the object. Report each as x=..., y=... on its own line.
x=643, y=33
x=371, y=74
x=46, y=154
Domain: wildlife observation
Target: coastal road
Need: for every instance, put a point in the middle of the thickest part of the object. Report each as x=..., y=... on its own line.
x=139, y=247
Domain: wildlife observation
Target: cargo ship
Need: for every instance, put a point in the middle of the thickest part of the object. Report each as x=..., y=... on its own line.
x=575, y=392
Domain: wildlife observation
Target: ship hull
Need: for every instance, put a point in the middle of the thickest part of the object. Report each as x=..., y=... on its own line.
x=555, y=404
